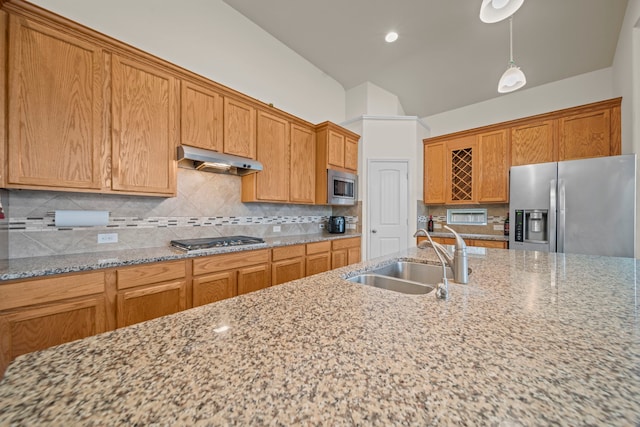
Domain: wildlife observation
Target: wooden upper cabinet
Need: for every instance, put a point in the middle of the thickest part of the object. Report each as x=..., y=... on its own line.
x=493, y=167
x=272, y=183
x=533, y=143
x=302, y=165
x=461, y=170
x=239, y=128
x=585, y=135
x=336, y=149
x=55, y=108
x=201, y=117
x=351, y=154
x=434, y=173
x=145, y=118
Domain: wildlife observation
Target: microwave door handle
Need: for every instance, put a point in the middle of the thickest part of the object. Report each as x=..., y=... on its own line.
x=551, y=230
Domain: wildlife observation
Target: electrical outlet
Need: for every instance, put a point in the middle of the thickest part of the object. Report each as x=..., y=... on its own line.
x=437, y=226
x=108, y=238
x=321, y=225
x=351, y=226
x=277, y=228
x=497, y=227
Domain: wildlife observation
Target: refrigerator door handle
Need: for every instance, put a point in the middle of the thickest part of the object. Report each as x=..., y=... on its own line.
x=552, y=216
x=561, y=216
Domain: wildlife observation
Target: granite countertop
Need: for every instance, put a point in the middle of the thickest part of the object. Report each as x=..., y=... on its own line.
x=533, y=339
x=23, y=268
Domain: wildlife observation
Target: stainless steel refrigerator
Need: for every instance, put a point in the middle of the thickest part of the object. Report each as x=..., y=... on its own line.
x=578, y=206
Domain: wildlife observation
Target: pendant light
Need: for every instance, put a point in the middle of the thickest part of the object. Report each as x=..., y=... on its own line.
x=513, y=78
x=496, y=10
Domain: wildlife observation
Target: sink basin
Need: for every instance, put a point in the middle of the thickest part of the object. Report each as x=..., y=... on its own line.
x=414, y=271
x=405, y=277
x=392, y=284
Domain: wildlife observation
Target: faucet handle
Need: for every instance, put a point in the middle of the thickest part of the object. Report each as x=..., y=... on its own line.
x=460, y=243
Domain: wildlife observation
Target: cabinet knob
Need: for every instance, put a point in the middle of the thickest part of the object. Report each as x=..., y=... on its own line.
x=374, y=231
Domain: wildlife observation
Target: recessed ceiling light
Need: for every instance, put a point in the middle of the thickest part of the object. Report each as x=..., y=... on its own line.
x=391, y=37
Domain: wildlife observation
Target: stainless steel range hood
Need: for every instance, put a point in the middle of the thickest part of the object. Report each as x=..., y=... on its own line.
x=212, y=161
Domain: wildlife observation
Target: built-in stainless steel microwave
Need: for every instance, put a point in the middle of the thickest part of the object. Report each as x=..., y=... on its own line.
x=342, y=188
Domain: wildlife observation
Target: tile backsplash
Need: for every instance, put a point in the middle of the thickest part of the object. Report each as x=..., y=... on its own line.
x=206, y=205
x=496, y=215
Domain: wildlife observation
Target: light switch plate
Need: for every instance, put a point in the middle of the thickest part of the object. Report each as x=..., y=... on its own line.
x=277, y=228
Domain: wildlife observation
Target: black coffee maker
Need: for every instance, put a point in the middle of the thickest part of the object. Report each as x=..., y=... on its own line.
x=336, y=224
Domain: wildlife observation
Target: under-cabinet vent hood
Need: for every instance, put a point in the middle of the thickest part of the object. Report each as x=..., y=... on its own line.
x=212, y=161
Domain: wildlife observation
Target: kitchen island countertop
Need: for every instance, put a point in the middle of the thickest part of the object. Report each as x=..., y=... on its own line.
x=533, y=339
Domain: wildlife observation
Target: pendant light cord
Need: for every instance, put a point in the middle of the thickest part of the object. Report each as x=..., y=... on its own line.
x=511, y=40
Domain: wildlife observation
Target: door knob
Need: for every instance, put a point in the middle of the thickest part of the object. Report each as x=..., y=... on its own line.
x=374, y=231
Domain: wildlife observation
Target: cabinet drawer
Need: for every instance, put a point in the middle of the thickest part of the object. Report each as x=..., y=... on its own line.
x=229, y=261
x=57, y=288
x=318, y=247
x=287, y=252
x=490, y=244
x=154, y=273
x=345, y=243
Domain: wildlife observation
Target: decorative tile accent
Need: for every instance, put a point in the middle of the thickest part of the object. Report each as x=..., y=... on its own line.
x=47, y=223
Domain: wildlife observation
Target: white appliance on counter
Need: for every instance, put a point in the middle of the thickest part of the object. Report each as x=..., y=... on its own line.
x=578, y=206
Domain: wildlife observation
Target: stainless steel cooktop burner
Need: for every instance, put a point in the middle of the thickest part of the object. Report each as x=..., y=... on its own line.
x=214, y=242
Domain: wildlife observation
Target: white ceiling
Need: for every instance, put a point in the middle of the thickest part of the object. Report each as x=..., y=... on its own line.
x=445, y=57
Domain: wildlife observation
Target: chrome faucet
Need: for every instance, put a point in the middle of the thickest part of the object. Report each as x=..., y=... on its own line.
x=442, y=291
x=458, y=262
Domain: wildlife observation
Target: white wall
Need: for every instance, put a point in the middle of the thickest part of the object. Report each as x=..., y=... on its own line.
x=369, y=99
x=578, y=90
x=210, y=38
x=626, y=77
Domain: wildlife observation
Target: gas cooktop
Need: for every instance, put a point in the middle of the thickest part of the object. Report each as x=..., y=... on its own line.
x=214, y=242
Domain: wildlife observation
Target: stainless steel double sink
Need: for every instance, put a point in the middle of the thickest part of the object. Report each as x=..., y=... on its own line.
x=404, y=276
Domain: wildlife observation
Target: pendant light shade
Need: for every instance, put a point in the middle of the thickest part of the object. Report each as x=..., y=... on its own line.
x=513, y=78
x=496, y=10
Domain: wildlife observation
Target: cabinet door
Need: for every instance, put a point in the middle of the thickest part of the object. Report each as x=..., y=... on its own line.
x=318, y=263
x=145, y=118
x=272, y=183
x=39, y=327
x=533, y=143
x=335, y=149
x=137, y=305
x=351, y=154
x=302, y=178
x=287, y=270
x=339, y=258
x=434, y=173
x=54, y=108
x=214, y=287
x=584, y=135
x=253, y=278
x=493, y=167
x=201, y=117
x=461, y=170
x=239, y=128
x=353, y=255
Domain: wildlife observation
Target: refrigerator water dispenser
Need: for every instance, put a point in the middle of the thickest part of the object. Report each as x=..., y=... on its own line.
x=531, y=226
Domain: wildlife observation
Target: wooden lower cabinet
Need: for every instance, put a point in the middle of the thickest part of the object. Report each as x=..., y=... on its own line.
x=498, y=244
x=318, y=258
x=287, y=264
x=148, y=302
x=218, y=277
x=214, y=287
x=253, y=278
x=150, y=291
x=345, y=252
x=40, y=313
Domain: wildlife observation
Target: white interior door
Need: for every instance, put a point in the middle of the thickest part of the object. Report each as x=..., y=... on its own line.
x=388, y=195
